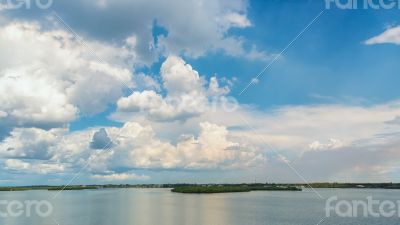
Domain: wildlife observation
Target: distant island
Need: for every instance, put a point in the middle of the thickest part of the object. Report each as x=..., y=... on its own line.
x=206, y=189
x=211, y=188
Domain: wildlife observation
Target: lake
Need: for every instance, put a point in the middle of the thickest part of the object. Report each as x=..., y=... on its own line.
x=160, y=206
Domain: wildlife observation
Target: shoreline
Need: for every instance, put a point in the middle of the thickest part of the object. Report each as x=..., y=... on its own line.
x=210, y=188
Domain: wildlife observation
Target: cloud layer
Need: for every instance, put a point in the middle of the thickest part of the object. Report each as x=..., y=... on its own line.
x=173, y=120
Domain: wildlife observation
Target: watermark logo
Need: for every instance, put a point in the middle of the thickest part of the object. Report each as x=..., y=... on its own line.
x=28, y=208
x=362, y=4
x=25, y=4
x=203, y=104
x=369, y=207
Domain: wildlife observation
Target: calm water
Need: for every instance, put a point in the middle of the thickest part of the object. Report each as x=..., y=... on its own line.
x=160, y=206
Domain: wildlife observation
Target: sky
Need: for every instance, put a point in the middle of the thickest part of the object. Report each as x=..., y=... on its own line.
x=101, y=91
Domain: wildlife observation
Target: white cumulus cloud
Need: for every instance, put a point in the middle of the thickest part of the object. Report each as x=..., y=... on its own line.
x=389, y=36
x=186, y=94
x=48, y=78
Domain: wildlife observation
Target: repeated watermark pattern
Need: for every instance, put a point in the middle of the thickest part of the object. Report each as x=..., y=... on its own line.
x=362, y=4
x=367, y=208
x=25, y=4
x=28, y=208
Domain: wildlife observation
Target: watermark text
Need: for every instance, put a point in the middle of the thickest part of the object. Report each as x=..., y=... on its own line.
x=368, y=207
x=362, y=4
x=28, y=208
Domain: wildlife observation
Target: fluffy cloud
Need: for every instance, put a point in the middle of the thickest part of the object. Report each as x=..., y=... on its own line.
x=48, y=77
x=389, y=36
x=236, y=20
x=159, y=109
x=179, y=77
x=30, y=143
x=214, y=88
x=186, y=96
x=24, y=101
x=139, y=148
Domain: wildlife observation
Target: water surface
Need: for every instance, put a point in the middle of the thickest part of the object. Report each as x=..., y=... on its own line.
x=160, y=206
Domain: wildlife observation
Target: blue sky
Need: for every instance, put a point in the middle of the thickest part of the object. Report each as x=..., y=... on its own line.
x=150, y=83
x=329, y=59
